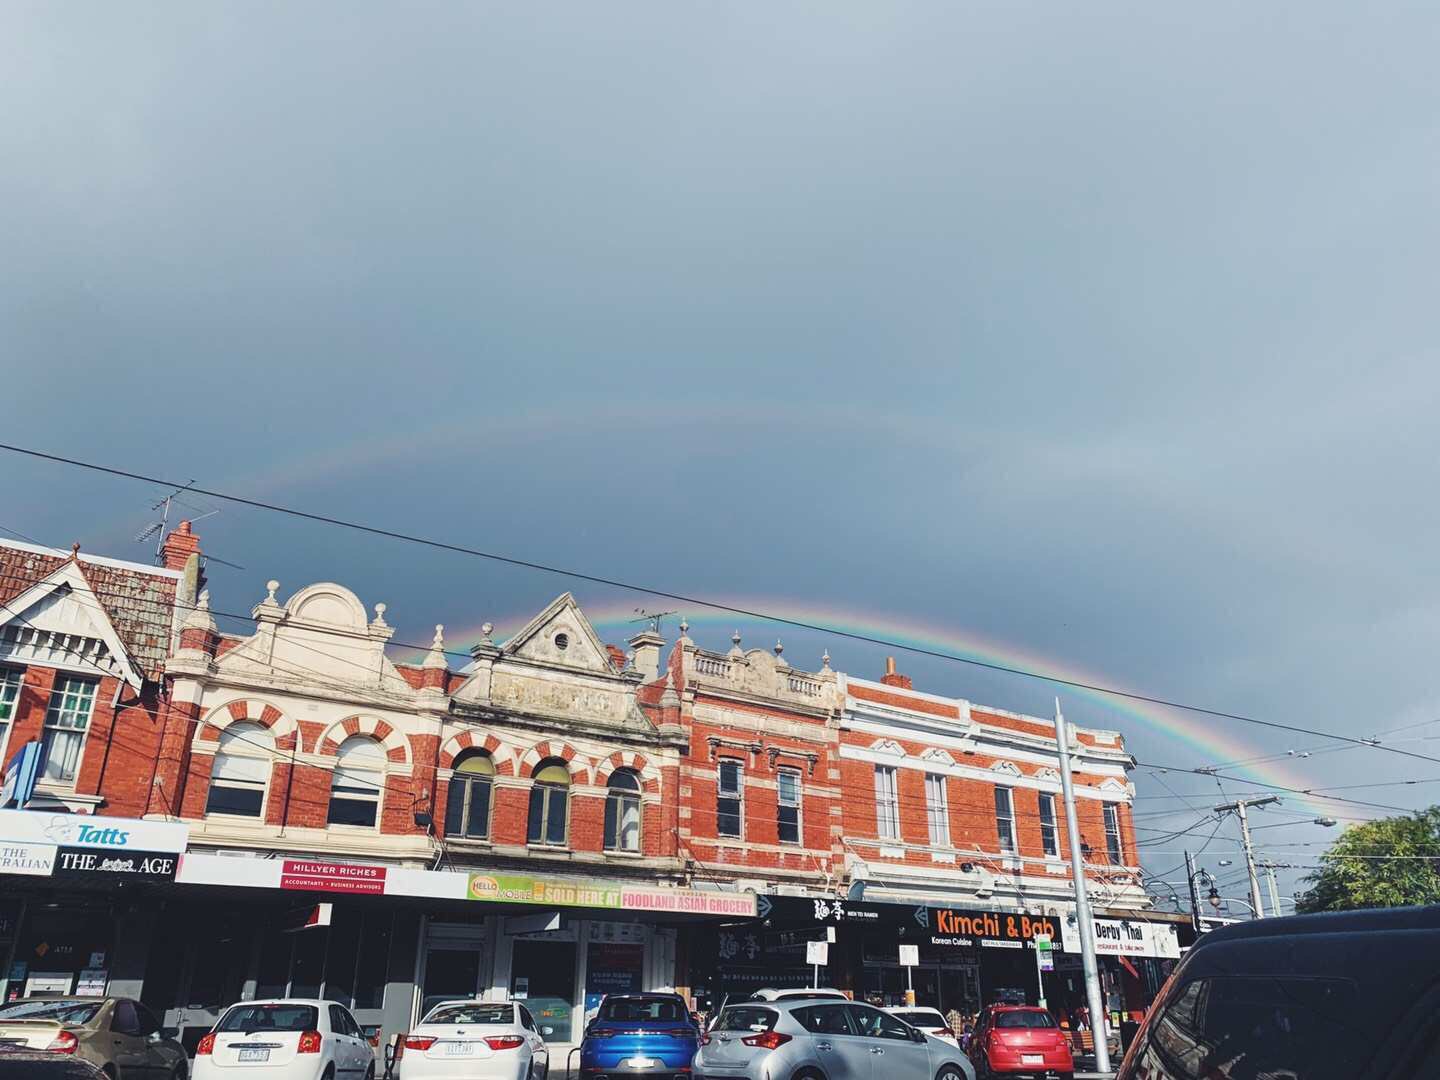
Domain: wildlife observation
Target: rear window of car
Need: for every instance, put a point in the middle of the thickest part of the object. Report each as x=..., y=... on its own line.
x=1024, y=1019
x=801, y=995
x=66, y=1012
x=270, y=1018
x=922, y=1018
x=746, y=1018
x=471, y=1014
x=656, y=1008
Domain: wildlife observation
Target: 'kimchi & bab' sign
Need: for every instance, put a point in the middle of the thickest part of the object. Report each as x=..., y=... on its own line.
x=994, y=929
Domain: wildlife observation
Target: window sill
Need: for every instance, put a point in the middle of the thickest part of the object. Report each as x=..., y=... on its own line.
x=235, y=819
x=468, y=841
x=552, y=848
x=354, y=830
x=618, y=853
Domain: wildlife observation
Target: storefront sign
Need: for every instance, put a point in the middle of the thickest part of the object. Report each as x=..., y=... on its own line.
x=35, y=859
x=48, y=982
x=331, y=877
x=83, y=830
x=92, y=982
x=73, y=862
x=991, y=929
x=559, y=892
x=1125, y=937
x=806, y=910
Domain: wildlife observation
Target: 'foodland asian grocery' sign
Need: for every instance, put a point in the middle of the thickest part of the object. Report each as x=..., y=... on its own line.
x=559, y=892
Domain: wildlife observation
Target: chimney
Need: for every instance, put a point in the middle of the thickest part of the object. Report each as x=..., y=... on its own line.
x=647, y=645
x=893, y=677
x=179, y=546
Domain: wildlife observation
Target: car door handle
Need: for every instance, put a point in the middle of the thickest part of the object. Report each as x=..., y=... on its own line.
x=876, y=1050
x=823, y=1046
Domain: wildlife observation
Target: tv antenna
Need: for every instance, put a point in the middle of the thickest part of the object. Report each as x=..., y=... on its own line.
x=651, y=617
x=157, y=528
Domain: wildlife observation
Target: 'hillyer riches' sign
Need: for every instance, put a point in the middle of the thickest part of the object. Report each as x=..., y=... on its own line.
x=994, y=929
x=558, y=892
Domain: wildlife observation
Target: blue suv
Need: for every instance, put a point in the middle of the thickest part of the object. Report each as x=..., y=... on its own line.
x=639, y=1035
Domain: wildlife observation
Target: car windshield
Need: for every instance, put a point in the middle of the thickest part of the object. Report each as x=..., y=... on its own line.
x=656, y=1008
x=471, y=1013
x=67, y=1012
x=270, y=1018
x=922, y=1018
x=1024, y=1019
x=745, y=1018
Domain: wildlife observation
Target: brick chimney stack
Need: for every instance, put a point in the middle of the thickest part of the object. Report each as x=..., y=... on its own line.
x=893, y=677
x=179, y=546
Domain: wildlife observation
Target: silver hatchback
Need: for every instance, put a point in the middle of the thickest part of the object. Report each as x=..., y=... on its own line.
x=819, y=1039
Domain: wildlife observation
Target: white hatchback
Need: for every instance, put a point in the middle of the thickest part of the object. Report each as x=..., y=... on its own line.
x=285, y=1039
x=927, y=1020
x=474, y=1040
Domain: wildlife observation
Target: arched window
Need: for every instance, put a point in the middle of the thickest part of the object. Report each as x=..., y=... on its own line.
x=549, y=803
x=241, y=770
x=467, y=810
x=622, y=812
x=359, y=778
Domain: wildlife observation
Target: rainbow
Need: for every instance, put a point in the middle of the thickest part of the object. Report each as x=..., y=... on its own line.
x=1205, y=736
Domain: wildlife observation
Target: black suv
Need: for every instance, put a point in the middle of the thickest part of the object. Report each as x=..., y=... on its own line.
x=1347, y=996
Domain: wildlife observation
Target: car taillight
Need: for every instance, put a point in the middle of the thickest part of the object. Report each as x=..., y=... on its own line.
x=63, y=1043
x=205, y=1045
x=769, y=1040
x=503, y=1042
x=418, y=1042
x=309, y=1042
x=601, y=1033
x=679, y=1033
x=944, y=1033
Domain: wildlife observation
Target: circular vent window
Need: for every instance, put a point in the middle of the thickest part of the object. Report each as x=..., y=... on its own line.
x=562, y=641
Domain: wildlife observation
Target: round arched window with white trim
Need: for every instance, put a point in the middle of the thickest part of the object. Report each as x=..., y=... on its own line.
x=358, y=780
x=241, y=771
x=622, y=811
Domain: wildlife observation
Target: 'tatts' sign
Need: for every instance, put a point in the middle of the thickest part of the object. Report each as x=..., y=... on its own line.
x=77, y=830
x=1002, y=929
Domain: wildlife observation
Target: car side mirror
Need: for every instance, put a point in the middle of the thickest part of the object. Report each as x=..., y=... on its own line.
x=916, y=1035
x=547, y=1031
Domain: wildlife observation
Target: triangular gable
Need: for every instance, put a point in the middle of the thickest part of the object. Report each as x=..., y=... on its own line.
x=562, y=623
x=58, y=619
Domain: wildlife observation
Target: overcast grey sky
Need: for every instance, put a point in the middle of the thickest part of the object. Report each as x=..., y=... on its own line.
x=1107, y=332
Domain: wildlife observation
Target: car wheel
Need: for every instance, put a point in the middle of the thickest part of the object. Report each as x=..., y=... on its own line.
x=807, y=1074
x=950, y=1072
x=179, y=1073
x=370, y=1071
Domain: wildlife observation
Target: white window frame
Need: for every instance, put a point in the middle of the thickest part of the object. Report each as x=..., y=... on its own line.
x=248, y=750
x=623, y=799
x=65, y=685
x=12, y=681
x=361, y=795
x=1049, y=831
x=937, y=809
x=797, y=804
x=737, y=795
x=1005, y=819
x=1114, y=839
x=887, y=803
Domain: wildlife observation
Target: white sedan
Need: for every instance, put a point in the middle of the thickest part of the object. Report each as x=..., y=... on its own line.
x=474, y=1040
x=285, y=1039
x=927, y=1020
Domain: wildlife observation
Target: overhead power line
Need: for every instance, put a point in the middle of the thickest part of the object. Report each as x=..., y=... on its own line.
x=713, y=605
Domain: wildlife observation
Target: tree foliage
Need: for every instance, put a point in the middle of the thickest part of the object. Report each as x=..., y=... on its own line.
x=1392, y=862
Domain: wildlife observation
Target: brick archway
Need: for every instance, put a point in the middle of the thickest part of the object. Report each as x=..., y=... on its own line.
x=553, y=748
x=502, y=755
x=282, y=728
x=627, y=759
x=397, y=747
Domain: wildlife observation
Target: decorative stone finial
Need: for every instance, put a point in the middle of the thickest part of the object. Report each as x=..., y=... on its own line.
x=735, y=637
x=75, y=551
x=825, y=661
x=204, y=602
x=779, y=647
x=379, y=619
x=270, y=587
x=684, y=625
x=438, y=642
x=629, y=661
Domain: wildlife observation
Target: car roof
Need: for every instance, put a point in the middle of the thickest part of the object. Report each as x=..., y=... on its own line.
x=473, y=1001
x=1007, y=1007
x=913, y=1008
x=649, y=995
x=288, y=1001
x=1379, y=920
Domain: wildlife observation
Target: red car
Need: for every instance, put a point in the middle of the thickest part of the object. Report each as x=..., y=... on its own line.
x=1020, y=1040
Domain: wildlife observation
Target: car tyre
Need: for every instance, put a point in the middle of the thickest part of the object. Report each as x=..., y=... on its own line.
x=807, y=1074
x=179, y=1071
x=370, y=1071
x=950, y=1072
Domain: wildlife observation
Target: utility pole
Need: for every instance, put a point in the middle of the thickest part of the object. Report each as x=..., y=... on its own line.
x=1239, y=806
x=1274, y=888
x=1190, y=875
x=1098, y=1023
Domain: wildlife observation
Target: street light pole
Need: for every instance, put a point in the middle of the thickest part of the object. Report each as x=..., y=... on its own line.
x=1274, y=888
x=1239, y=806
x=1098, y=1025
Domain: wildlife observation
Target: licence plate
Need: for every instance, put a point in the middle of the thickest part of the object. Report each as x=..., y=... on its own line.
x=641, y=1062
x=254, y=1054
x=1032, y=1059
x=459, y=1049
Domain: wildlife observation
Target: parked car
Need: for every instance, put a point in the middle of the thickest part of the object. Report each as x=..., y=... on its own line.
x=115, y=1034
x=930, y=1021
x=285, y=1039
x=822, y=1038
x=22, y=1063
x=639, y=1035
x=1020, y=1040
x=1345, y=996
x=795, y=993
x=474, y=1040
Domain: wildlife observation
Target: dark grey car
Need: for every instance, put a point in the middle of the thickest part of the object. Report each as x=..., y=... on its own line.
x=815, y=1039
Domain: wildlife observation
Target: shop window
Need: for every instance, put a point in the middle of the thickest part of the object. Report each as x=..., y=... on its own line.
x=10, y=679
x=241, y=770
x=66, y=719
x=549, y=804
x=1113, y=849
x=542, y=974
x=341, y=953
x=1049, y=838
x=887, y=805
x=358, y=780
x=1005, y=819
x=730, y=799
x=467, y=809
x=622, y=812
x=787, y=783
x=937, y=810
x=373, y=961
